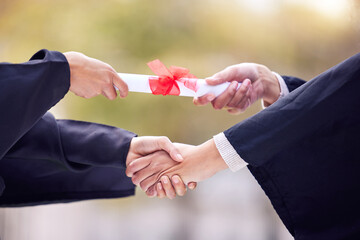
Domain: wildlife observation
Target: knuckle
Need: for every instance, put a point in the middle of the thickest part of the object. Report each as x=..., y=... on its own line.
x=134, y=179
x=242, y=90
x=231, y=104
x=128, y=172
x=143, y=185
x=164, y=140
x=217, y=105
x=112, y=97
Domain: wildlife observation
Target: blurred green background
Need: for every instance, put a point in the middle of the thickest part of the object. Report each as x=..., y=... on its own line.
x=292, y=37
x=301, y=38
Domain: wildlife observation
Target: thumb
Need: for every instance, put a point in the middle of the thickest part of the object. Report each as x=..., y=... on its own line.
x=226, y=75
x=165, y=144
x=120, y=84
x=192, y=185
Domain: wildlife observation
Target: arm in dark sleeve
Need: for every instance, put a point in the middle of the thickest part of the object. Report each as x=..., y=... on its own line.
x=304, y=152
x=74, y=144
x=64, y=160
x=293, y=82
x=27, y=91
x=298, y=114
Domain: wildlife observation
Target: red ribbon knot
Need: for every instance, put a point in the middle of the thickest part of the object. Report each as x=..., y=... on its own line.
x=165, y=83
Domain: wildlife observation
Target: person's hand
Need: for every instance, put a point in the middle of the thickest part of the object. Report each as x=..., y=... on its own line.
x=257, y=82
x=146, y=170
x=151, y=155
x=90, y=77
x=170, y=188
x=141, y=147
x=200, y=162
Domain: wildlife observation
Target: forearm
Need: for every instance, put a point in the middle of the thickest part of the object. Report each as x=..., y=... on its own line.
x=73, y=144
x=296, y=116
x=200, y=162
x=27, y=91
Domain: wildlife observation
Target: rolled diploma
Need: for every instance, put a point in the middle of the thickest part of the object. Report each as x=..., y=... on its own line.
x=140, y=83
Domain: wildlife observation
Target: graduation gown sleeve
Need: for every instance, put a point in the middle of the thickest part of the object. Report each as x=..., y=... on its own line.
x=304, y=152
x=44, y=160
x=65, y=160
x=27, y=91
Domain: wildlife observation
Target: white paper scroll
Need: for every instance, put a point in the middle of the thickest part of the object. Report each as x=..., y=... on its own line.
x=140, y=83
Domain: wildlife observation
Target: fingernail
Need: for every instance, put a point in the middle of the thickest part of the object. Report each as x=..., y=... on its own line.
x=179, y=157
x=159, y=186
x=164, y=180
x=176, y=179
x=210, y=98
x=234, y=85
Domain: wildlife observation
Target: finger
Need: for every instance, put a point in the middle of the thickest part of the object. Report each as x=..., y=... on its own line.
x=240, y=94
x=149, y=181
x=234, y=111
x=145, y=174
x=165, y=144
x=226, y=75
x=160, y=190
x=180, y=187
x=226, y=96
x=246, y=101
x=192, y=185
x=137, y=165
x=203, y=100
x=169, y=190
x=151, y=192
x=120, y=84
x=109, y=92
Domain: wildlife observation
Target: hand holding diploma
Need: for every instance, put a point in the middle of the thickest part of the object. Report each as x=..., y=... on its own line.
x=257, y=82
x=90, y=77
x=176, y=81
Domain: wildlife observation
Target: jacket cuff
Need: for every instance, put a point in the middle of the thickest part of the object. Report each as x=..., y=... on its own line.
x=284, y=90
x=228, y=153
x=57, y=60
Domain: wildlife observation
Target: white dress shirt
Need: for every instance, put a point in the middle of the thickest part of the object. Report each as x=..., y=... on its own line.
x=227, y=151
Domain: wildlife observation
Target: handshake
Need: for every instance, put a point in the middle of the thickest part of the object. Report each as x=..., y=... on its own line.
x=162, y=168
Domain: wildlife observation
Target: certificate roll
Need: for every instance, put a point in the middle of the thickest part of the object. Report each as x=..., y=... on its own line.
x=140, y=83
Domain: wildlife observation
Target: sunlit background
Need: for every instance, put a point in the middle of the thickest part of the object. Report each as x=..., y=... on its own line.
x=292, y=37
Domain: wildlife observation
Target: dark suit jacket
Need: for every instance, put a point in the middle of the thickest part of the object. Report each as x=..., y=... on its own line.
x=44, y=160
x=304, y=152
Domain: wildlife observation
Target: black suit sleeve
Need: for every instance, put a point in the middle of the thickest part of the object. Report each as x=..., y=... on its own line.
x=27, y=91
x=65, y=160
x=304, y=152
x=44, y=160
x=293, y=82
x=283, y=119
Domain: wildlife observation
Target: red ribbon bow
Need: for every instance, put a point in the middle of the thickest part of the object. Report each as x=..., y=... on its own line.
x=165, y=83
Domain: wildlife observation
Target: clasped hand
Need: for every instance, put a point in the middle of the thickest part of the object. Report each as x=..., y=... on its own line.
x=155, y=164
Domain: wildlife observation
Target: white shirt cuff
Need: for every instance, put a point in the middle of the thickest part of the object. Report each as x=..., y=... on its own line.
x=283, y=88
x=228, y=153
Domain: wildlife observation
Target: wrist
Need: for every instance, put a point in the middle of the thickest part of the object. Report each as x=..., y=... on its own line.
x=131, y=156
x=215, y=163
x=271, y=86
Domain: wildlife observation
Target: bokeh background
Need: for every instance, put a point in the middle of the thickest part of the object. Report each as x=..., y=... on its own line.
x=292, y=37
